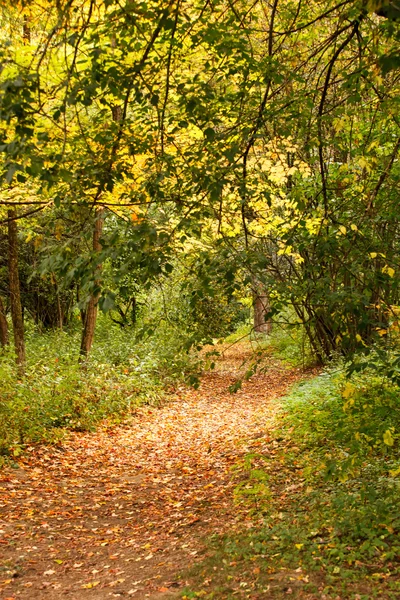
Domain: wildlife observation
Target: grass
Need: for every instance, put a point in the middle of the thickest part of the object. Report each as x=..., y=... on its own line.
x=124, y=370
x=320, y=498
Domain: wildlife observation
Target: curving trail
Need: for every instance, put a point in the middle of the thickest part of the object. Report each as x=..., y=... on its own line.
x=120, y=512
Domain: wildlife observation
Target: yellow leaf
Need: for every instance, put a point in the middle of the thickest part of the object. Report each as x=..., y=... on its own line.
x=373, y=145
x=364, y=164
x=349, y=390
x=299, y=546
x=388, y=270
x=395, y=472
x=373, y=254
x=388, y=437
x=90, y=585
x=343, y=229
x=382, y=332
x=359, y=339
x=354, y=227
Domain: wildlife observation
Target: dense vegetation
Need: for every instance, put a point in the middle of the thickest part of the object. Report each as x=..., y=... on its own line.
x=250, y=150
x=173, y=171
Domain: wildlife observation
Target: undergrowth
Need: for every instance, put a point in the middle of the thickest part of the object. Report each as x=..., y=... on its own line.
x=320, y=494
x=125, y=369
x=289, y=340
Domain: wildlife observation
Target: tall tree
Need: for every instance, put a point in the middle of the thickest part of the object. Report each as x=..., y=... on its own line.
x=90, y=313
x=261, y=308
x=15, y=296
x=3, y=325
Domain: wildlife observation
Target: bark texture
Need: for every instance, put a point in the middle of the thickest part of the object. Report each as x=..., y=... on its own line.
x=4, y=338
x=90, y=314
x=261, y=308
x=15, y=295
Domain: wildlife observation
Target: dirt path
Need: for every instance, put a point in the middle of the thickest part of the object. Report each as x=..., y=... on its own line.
x=120, y=512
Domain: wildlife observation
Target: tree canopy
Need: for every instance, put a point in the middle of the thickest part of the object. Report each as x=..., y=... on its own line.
x=261, y=137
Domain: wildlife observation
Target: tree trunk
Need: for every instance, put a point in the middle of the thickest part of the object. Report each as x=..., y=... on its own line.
x=15, y=296
x=4, y=339
x=261, y=308
x=89, y=323
x=90, y=314
x=26, y=30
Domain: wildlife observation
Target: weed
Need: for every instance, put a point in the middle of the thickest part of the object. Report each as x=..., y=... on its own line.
x=322, y=498
x=123, y=371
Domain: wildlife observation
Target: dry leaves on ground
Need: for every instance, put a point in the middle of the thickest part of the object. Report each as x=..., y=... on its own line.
x=120, y=512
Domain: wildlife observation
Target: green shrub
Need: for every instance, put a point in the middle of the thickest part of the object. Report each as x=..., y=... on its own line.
x=289, y=340
x=323, y=491
x=123, y=370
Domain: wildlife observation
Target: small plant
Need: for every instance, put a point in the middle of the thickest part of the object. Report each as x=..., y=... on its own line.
x=289, y=340
x=321, y=502
x=123, y=371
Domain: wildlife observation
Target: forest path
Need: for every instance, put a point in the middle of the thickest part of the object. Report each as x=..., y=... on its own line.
x=120, y=512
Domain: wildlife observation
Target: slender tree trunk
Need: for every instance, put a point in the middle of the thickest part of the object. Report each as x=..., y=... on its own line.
x=4, y=339
x=26, y=31
x=261, y=307
x=15, y=296
x=90, y=314
x=89, y=323
x=60, y=312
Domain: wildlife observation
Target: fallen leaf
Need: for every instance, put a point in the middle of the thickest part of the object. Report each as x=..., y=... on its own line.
x=90, y=585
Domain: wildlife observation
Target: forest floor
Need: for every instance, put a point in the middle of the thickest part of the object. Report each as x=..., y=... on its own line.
x=161, y=506
x=123, y=511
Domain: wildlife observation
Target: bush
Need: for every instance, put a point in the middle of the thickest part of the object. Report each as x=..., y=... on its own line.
x=322, y=489
x=124, y=370
x=357, y=419
x=289, y=341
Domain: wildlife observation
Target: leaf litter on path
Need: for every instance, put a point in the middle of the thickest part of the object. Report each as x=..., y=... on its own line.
x=120, y=512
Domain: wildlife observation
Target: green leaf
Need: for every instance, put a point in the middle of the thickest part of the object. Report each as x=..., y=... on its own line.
x=10, y=173
x=388, y=437
x=209, y=133
x=235, y=387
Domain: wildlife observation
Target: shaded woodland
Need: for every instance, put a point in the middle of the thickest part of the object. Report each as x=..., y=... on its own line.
x=183, y=178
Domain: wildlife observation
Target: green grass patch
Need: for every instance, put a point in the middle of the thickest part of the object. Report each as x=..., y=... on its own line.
x=124, y=370
x=320, y=498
